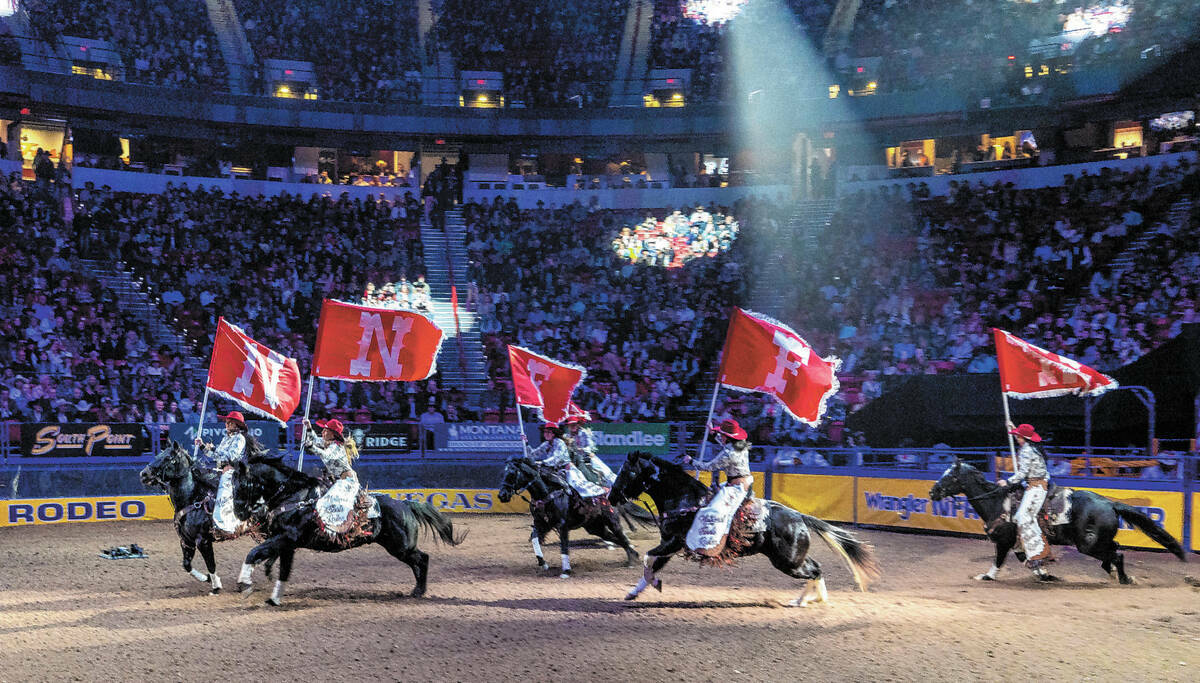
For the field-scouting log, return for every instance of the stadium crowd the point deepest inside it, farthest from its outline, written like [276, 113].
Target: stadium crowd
[170, 43]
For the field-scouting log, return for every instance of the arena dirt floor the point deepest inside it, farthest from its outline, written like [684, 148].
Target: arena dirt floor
[66, 613]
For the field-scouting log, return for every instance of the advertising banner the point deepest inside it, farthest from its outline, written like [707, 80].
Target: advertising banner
[105, 509]
[759, 487]
[53, 440]
[265, 431]
[1164, 507]
[460, 500]
[906, 503]
[374, 438]
[479, 437]
[620, 439]
[828, 497]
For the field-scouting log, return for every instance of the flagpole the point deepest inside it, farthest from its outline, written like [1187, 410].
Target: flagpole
[521, 426]
[1012, 447]
[712, 405]
[200, 429]
[304, 424]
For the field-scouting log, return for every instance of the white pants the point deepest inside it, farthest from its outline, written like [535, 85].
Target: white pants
[223, 515]
[1027, 524]
[606, 474]
[712, 522]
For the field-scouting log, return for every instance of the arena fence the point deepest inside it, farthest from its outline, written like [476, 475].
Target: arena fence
[460, 470]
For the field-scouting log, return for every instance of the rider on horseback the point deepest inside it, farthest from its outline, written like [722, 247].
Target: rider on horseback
[1030, 467]
[583, 446]
[225, 455]
[555, 452]
[712, 522]
[336, 506]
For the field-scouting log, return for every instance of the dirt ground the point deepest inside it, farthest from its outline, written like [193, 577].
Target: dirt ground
[66, 613]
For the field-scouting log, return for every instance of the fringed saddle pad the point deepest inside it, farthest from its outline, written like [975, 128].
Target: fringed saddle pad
[749, 520]
[355, 526]
[1055, 511]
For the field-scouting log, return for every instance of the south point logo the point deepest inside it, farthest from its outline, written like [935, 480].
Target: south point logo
[634, 438]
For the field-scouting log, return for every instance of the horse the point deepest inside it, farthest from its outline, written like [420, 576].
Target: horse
[193, 498]
[1091, 529]
[555, 505]
[679, 496]
[284, 500]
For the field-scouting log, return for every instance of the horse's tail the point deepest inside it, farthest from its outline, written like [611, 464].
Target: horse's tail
[1147, 526]
[859, 555]
[435, 523]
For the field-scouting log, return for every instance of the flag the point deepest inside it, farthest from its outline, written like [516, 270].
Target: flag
[258, 379]
[1028, 371]
[364, 343]
[767, 356]
[575, 411]
[542, 383]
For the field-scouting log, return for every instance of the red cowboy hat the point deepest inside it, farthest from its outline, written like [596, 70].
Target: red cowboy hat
[233, 415]
[1026, 431]
[334, 425]
[576, 419]
[730, 428]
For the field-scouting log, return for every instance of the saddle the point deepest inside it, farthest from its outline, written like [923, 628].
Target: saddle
[1056, 509]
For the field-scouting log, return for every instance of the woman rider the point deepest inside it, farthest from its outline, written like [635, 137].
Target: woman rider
[583, 444]
[225, 455]
[711, 525]
[554, 452]
[337, 452]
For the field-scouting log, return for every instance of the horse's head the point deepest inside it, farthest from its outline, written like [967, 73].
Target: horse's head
[634, 478]
[519, 472]
[264, 479]
[170, 465]
[954, 480]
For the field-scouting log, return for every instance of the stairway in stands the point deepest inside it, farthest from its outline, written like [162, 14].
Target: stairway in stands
[36, 53]
[446, 259]
[771, 280]
[235, 47]
[633, 59]
[1175, 222]
[136, 301]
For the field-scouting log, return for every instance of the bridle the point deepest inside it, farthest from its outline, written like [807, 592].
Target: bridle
[954, 472]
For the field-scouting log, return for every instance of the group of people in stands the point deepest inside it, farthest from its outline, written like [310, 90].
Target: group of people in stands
[676, 239]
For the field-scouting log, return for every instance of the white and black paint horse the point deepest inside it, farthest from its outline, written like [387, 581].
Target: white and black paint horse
[1092, 525]
[785, 540]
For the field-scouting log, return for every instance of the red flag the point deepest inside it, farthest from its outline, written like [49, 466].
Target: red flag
[575, 411]
[259, 379]
[765, 355]
[542, 383]
[1028, 371]
[363, 343]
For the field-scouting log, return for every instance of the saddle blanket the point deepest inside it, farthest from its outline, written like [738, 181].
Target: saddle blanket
[223, 515]
[712, 522]
[338, 503]
[1056, 510]
[582, 486]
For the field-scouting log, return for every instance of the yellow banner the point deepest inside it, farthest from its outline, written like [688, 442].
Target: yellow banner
[103, 509]
[459, 500]
[906, 503]
[1195, 521]
[1164, 507]
[828, 497]
[759, 486]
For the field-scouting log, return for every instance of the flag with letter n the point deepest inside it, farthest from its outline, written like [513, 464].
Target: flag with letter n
[542, 383]
[766, 356]
[1028, 371]
[260, 380]
[364, 343]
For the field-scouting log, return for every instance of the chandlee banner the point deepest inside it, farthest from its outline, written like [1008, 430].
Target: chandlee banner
[266, 432]
[53, 440]
[480, 437]
[104, 509]
[613, 438]
[382, 437]
[828, 497]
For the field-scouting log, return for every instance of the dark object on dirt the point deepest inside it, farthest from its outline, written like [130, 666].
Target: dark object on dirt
[133, 551]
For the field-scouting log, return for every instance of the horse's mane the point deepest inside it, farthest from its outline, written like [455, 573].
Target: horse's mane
[677, 471]
[291, 476]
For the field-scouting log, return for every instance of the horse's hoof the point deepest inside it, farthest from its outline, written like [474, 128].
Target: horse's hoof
[657, 585]
[984, 577]
[215, 591]
[631, 596]
[565, 575]
[1048, 578]
[1127, 581]
[542, 566]
[245, 588]
[417, 592]
[274, 602]
[797, 602]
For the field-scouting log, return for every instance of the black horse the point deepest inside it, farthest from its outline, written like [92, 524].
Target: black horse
[555, 506]
[679, 496]
[193, 498]
[1091, 529]
[285, 499]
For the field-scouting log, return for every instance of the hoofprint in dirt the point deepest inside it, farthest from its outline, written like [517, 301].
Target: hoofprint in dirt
[65, 613]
